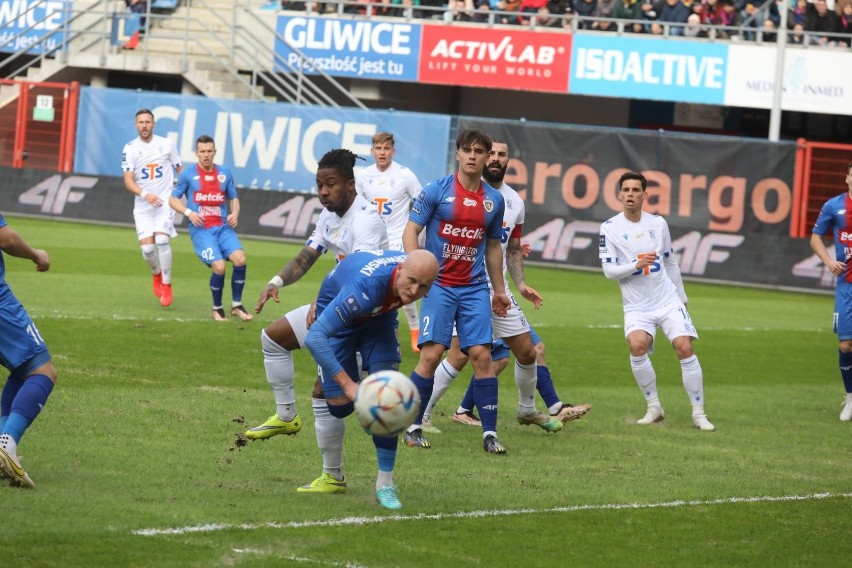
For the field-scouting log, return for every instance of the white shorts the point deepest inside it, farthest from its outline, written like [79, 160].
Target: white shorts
[298, 321]
[515, 322]
[150, 220]
[673, 319]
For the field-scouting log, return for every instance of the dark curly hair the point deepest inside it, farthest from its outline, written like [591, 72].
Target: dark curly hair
[341, 160]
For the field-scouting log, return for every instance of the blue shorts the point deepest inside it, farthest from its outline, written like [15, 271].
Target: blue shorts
[22, 349]
[843, 311]
[215, 243]
[499, 350]
[535, 338]
[378, 342]
[468, 307]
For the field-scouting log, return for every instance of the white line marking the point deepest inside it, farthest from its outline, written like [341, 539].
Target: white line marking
[347, 521]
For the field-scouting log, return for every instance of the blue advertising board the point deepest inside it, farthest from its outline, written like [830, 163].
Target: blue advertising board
[40, 24]
[633, 68]
[267, 145]
[361, 48]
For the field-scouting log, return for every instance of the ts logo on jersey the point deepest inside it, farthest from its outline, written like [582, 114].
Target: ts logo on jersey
[383, 205]
[152, 171]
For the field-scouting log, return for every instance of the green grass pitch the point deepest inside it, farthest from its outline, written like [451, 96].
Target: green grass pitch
[135, 461]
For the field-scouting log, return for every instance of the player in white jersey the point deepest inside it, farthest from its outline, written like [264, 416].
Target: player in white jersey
[514, 328]
[347, 224]
[391, 188]
[149, 163]
[636, 249]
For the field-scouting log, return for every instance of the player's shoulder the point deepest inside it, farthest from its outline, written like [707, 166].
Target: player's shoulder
[837, 202]
[612, 222]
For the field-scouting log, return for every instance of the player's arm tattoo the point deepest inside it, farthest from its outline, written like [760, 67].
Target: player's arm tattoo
[297, 266]
[515, 262]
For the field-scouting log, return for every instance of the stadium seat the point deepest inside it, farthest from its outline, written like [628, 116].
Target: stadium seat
[164, 5]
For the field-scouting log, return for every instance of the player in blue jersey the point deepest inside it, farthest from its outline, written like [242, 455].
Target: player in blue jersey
[212, 210]
[463, 218]
[835, 220]
[24, 353]
[356, 313]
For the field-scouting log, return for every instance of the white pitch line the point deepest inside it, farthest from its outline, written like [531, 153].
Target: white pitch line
[347, 521]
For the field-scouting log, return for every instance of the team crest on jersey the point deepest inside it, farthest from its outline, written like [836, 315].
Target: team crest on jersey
[468, 202]
[221, 178]
[488, 205]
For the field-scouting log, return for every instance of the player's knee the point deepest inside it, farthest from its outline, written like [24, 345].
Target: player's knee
[238, 258]
[218, 266]
[341, 410]
[161, 240]
[846, 346]
[148, 251]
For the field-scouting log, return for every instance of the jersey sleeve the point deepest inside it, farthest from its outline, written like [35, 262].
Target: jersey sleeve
[230, 186]
[182, 187]
[174, 157]
[413, 187]
[424, 205]
[127, 164]
[825, 221]
[495, 226]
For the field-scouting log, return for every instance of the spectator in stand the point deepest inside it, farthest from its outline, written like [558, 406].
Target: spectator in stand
[845, 10]
[797, 35]
[797, 14]
[459, 11]
[433, 14]
[730, 18]
[403, 6]
[770, 33]
[138, 7]
[820, 20]
[673, 12]
[753, 16]
[484, 7]
[694, 27]
[629, 10]
[586, 9]
[527, 8]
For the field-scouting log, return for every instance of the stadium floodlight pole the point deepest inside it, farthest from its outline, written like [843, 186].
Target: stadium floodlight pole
[781, 45]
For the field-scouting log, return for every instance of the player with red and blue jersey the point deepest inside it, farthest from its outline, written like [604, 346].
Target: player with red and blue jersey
[463, 218]
[212, 211]
[836, 219]
[356, 313]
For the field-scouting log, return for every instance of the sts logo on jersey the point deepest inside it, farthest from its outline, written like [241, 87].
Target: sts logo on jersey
[152, 171]
[383, 205]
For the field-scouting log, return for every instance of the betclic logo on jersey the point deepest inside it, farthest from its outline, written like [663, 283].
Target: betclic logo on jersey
[54, 193]
[450, 230]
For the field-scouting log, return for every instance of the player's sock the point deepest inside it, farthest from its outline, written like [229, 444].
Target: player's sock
[467, 402]
[10, 390]
[386, 454]
[546, 389]
[424, 387]
[27, 404]
[846, 370]
[445, 374]
[645, 376]
[485, 395]
[217, 283]
[330, 431]
[525, 380]
[410, 311]
[238, 282]
[149, 253]
[164, 253]
[693, 380]
[280, 373]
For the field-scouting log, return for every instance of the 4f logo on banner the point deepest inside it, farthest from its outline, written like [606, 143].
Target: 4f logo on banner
[54, 193]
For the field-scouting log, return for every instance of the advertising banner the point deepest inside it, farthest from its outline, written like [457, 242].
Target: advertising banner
[727, 201]
[563, 236]
[361, 48]
[37, 20]
[471, 56]
[273, 146]
[812, 81]
[633, 68]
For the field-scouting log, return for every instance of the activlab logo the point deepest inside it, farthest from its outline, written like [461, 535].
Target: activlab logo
[54, 193]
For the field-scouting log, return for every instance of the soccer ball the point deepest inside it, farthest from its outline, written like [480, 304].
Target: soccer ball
[387, 403]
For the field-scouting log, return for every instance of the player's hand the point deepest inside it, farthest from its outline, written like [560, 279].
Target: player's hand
[232, 220]
[646, 259]
[41, 260]
[350, 390]
[271, 291]
[837, 267]
[531, 295]
[526, 249]
[500, 304]
[154, 200]
[312, 315]
[198, 220]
